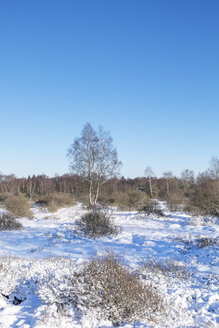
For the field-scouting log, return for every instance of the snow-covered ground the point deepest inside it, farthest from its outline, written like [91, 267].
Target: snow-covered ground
[168, 251]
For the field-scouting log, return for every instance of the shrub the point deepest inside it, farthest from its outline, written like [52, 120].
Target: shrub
[7, 222]
[199, 242]
[18, 206]
[169, 268]
[207, 241]
[96, 223]
[131, 200]
[84, 199]
[137, 199]
[174, 205]
[54, 201]
[205, 198]
[151, 208]
[118, 293]
[175, 200]
[107, 286]
[4, 196]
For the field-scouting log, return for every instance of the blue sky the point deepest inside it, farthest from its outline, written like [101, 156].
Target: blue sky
[148, 71]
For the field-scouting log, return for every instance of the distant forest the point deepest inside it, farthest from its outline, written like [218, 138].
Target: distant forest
[196, 194]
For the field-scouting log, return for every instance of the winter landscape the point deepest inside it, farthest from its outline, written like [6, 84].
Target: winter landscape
[109, 170]
[172, 254]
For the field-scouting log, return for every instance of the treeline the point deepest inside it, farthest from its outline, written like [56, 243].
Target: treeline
[196, 194]
[40, 185]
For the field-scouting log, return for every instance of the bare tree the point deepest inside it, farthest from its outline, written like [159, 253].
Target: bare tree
[168, 175]
[214, 168]
[149, 174]
[94, 158]
[187, 178]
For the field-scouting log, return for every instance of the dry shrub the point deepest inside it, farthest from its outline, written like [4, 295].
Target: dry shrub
[201, 241]
[205, 198]
[55, 201]
[116, 293]
[84, 199]
[151, 208]
[96, 223]
[131, 200]
[7, 222]
[137, 199]
[18, 205]
[119, 199]
[207, 241]
[169, 268]
[175, 200]
[4, 196]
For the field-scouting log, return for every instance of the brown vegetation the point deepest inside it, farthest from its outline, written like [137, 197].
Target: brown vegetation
[122, 297]
[18, 205]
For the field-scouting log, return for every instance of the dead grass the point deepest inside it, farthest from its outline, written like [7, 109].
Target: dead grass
[131, 200]
[18, 205]
[4, 196]
[56, 201]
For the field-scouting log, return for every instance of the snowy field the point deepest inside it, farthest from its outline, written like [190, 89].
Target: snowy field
[171, 252]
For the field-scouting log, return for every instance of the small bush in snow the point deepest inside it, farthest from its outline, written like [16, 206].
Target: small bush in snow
[18, 205]
[174, 207]
[118, 293]
[169, 268]
[151, 208]
[202, 220]
[7, 222]
[207, 241]
[201, 241]
[96, 223]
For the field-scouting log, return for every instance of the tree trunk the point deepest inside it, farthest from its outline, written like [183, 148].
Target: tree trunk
[168, 187]
[90, 192]
[150, 184]
[97, 193]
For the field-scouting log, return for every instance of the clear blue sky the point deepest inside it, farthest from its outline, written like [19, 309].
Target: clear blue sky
[148, 71]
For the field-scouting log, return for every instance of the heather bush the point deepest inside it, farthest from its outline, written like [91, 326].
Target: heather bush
[96, 223]
[107, 286]
[207, 241]
[119, 294]
[169, 268]
[7, 222]
[152, 208]
[18, 205]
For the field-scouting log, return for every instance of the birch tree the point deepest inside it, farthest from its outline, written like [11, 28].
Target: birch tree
[168, 175]
[149, 174]
[94, 158]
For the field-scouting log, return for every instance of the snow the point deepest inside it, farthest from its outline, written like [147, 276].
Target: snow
[41, 255]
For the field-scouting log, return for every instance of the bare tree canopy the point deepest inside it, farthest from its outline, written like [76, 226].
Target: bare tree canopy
[148, 172]
[93, 157]
[214, 168]
[168, 175]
